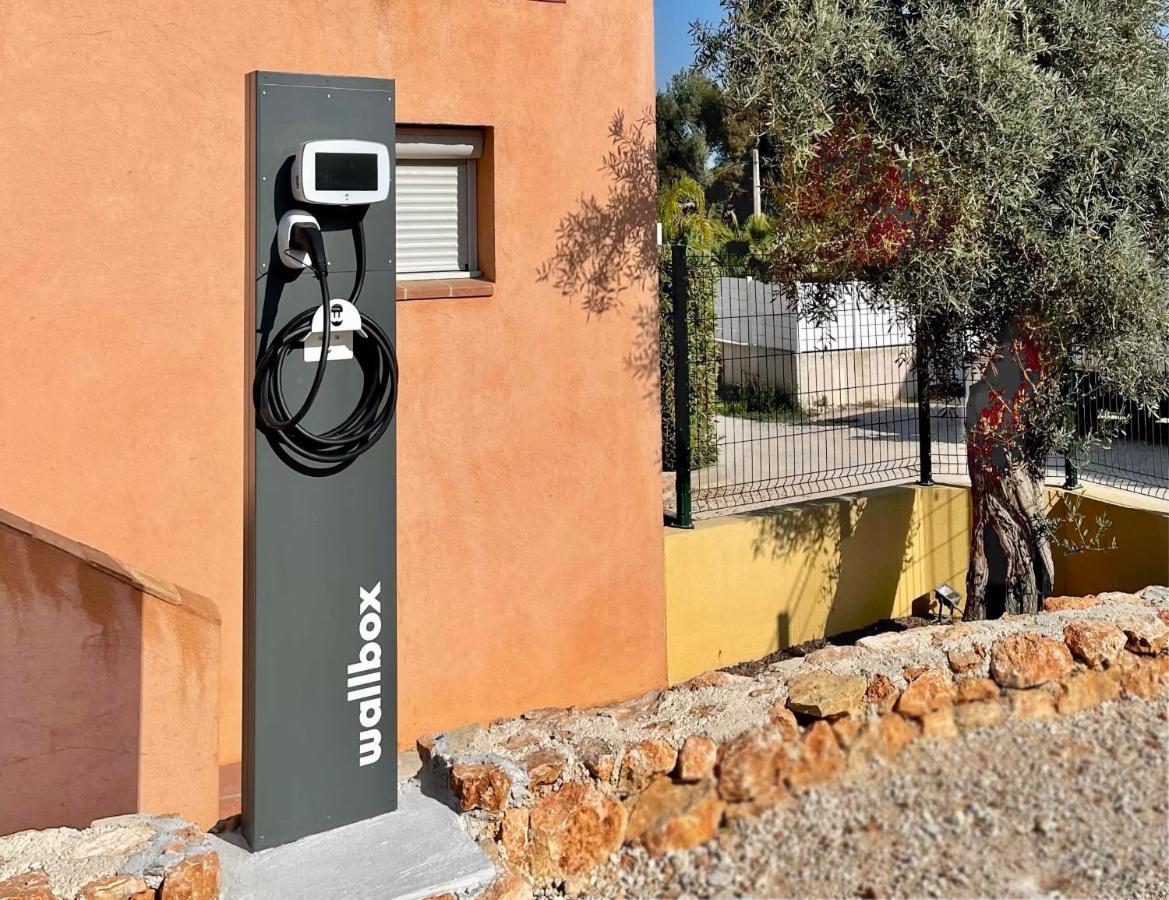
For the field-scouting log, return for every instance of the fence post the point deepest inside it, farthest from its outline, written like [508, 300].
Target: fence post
[924, 418]
[1071, 466]
[680, 296]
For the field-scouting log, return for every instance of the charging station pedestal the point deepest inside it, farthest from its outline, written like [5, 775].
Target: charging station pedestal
[320, 685]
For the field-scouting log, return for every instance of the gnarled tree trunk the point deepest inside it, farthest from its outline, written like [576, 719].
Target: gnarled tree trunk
[1007, 493]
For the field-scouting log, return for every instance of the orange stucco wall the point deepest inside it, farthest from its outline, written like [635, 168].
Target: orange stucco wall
[109, 688]
[530, 549]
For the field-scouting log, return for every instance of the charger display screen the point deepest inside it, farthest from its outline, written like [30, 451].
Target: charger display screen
[346, 172]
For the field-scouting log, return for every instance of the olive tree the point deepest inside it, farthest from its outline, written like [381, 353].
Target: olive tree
[998, 170]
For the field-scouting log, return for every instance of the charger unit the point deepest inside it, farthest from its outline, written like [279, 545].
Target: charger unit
[341, 172]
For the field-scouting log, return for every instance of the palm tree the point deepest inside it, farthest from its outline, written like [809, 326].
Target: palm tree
[684, 216]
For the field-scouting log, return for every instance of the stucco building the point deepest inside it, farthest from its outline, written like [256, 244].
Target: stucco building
[529, 543]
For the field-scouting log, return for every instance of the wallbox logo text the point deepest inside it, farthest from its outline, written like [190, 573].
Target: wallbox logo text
[365, 677]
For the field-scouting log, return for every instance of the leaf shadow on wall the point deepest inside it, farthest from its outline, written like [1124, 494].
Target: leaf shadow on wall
[843, 561]
[606, 248]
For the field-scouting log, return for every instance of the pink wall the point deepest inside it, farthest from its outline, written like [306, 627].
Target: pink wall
[530, 541]
[109, 699]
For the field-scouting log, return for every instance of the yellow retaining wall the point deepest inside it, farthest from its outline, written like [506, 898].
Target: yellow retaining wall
[742, 586]
[1141, 556]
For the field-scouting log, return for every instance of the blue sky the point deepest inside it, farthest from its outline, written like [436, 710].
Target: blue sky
[672, 39]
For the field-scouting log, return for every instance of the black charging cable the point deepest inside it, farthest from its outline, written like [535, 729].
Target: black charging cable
[375, 354]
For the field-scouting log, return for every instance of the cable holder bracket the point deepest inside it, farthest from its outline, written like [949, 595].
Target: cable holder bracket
[344, 322]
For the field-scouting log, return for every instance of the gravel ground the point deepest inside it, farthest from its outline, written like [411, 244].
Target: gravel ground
[1072, 807]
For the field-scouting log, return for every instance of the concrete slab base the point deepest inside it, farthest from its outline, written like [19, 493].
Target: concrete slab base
[416, 852]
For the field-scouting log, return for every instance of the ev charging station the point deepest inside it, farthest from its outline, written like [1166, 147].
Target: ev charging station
[320, 708]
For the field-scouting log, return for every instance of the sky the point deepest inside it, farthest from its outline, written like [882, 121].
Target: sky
[673, 48]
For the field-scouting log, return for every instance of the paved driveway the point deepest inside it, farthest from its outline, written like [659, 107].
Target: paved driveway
[763, 463]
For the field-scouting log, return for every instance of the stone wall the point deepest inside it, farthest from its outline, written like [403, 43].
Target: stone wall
[122, 858]
[554, 792]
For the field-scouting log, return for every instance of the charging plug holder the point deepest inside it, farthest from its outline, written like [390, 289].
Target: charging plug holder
[289, 255]
[344, 322]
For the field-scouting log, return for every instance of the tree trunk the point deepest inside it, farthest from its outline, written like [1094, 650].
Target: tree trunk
[1008, 510]
[1007, 492]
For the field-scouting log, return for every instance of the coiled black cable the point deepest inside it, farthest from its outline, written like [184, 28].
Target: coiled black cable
[374, 353]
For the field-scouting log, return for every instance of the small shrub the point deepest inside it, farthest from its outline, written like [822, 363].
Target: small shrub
[753, 400]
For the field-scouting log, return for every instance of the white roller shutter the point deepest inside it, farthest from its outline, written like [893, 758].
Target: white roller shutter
[432, 216]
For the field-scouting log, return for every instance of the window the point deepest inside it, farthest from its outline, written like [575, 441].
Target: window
[436, 193]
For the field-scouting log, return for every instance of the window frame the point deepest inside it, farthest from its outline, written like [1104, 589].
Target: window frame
[464, 146]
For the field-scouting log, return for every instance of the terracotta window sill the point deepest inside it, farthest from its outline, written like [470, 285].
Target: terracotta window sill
[458, 288]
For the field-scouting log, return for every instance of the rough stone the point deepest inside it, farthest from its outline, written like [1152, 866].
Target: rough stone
[1027, 660]
[833, 653]
[1147, 637]
[752, 808]
[786, 668]
[1055, 604]
[959, 632]
[971, 690]
[669, 817]
[978, 714]
[573, 829]
[1035, 703]
[846, 730]
[480, 786]
[784, 721]
[883, 737]
[543, 766]
[643, 761]
[894, 642]
[195, 878]
[966, 660]
[598, 757]
[819, 758]
[116, 887]
[1123, 597]
[882, 693]
[747, 765]
[522, 740]
[119, 841]
[425, 746]
[509, 886]
[1157, 594]
[711, 679]
[697, 758]
[459, 740]
[1163, 615]
[824, 694]
[27, 886]
[931, 690]
[1140, 676]
[513, 836]
[629, 710]
[939, 724]
[1094, 643]
[1085, 689]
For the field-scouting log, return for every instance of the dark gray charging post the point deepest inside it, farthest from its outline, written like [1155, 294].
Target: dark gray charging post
[320, 716]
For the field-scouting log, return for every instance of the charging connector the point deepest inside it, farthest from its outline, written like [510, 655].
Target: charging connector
[306, 238]
[374, 353]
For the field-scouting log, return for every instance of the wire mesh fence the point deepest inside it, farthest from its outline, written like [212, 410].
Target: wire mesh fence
[778, 407]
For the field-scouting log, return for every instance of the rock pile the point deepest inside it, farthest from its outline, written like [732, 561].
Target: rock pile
[554, 792]
[133, 857]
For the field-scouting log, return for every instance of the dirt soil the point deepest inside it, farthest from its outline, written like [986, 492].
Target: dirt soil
[754, 667]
